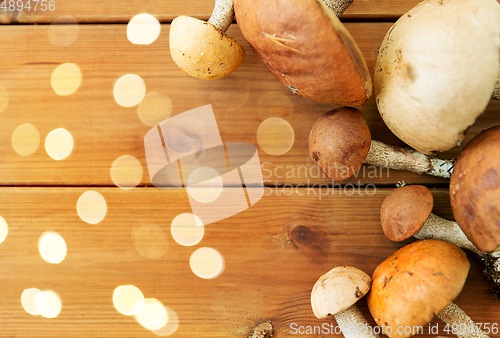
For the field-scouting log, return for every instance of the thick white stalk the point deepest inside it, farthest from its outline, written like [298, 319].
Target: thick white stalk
[222, 15]
[496, 93]
[393, 157]
[353, 324]
[338, 7]
[460, 323]
[439, 228]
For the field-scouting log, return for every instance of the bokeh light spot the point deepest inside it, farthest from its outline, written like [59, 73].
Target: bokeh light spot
[28, 301]
[48, 304]
[128, 300]
[143, 29]
[59, 144]
[52, 247]
[206, 263]
[129, 90]
[154, 108]
[4, 229]
[91, 207]
[187, 229]
[275, 136]
[204, 185]
[26, 139]
[153, 316]
[66, 79]
[63, 31]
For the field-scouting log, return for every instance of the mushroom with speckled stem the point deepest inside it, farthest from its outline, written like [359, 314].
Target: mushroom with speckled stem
[340, 142]
[201, 48]
[415, 283]
[336, 292]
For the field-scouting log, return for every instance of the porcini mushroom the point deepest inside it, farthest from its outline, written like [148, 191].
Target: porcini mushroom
[201, 48]
[336, 292]
[415, 283]
[475, 190]
[436, 70]
[407, 211]
[304, 44]
[340, 141]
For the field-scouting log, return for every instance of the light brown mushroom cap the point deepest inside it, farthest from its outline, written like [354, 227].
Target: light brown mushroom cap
[201, 50]
[307, 48]
[405, 210]
[339, 142]
[338, 289]
[415, 283]
[475, 190]
[436, 70]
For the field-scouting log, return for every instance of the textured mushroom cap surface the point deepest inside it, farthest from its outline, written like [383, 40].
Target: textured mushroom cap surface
[436, 70]
[307, 48]
[405, 210]
[202, 51]
[475, 190]
[338, 289]
[339, 142]
[415, 283]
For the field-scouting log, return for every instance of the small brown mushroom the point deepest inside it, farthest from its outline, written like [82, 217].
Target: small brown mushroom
[436, 70]
[340, 142]
[475, 190]
[304, 44]
[406, 212]
[336, 292]
[201, 48]
[415, 283]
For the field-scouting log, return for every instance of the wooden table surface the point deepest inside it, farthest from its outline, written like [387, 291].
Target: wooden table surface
[273, 251]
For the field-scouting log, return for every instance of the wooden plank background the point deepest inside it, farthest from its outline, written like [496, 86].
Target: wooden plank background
[268, 275]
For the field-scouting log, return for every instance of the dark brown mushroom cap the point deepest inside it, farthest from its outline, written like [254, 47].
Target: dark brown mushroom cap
[415, 283]
[405, 210]
[475, 190]
[339, 142]
[307, 48]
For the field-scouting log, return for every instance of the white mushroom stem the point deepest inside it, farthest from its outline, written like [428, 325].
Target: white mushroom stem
[338, 7]
[353, 323]
[222, 15]
[439, 228]
[496, 93]
[460, 323]
[393, 157]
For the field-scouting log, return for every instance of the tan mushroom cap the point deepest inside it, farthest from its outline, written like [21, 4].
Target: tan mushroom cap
[436, 70]
[338, 289]
[415, 283]
[405, 210]
[339, 142]
[307, 48]
[202, 51]
[475, 190]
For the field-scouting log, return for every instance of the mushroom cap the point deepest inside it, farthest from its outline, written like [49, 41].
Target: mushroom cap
[339, 142]
[405, 210]
[436, 70]
[475, 190]
[307, 48]
[338, 289]
[415, 283]
[201, 50]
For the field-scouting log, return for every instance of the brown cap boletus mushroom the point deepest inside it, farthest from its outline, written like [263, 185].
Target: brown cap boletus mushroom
[417, 282]
[340, 142]
[304, 44]
[201, 48]
[336, 293]
[475, 190]
[436, 71]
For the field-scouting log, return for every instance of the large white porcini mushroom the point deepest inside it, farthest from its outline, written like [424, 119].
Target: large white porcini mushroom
[340, 142]
[407, 211]
[436, 71]
[335, 294]
[416, 283]
[201, 48]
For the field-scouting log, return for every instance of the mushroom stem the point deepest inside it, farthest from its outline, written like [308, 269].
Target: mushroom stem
[381, 154]
[496, 93]
[353, 323]
[460, 323]
[338, 7]
[222, 15]
[439, 228]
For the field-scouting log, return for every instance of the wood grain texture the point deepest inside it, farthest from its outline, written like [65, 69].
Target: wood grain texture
[270, 266]
[103, 130]
[95, 11]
